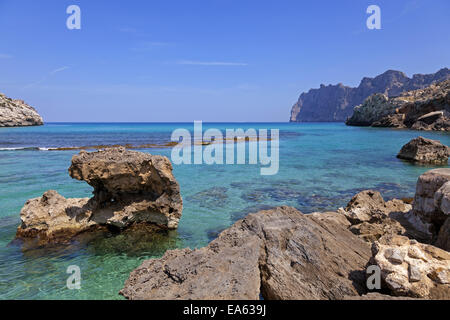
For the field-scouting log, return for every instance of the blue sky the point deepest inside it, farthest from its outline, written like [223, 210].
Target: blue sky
[211, 60]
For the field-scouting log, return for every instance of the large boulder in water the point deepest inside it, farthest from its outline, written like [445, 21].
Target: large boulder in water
[280, 253]
[424, 150]
[129, 187]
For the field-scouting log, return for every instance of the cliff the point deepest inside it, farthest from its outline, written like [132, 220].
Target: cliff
[336, 102]
[422, 109]
[16, 113]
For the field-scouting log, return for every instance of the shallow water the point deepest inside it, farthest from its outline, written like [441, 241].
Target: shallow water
[321, 166]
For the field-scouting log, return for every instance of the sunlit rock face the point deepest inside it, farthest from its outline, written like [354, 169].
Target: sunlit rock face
[16, 113]
[129, 188]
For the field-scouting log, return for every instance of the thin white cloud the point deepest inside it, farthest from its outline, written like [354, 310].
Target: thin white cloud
[50, 74]
[59, 70]
[5, 56]
[211, 63]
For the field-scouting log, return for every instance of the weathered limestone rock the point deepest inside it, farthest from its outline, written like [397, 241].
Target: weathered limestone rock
[362, 205]
[432, 199]
[16, 113]
[443, 240]
[410, 268]
[371, 217]
[424, 150]
[132, 178]
[53, 218]
[281, 253]
[423, 109]
[129, 187]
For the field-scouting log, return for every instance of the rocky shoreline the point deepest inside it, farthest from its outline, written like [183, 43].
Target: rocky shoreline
[285, 254]
[278, 253]
[423, 109]
[16, 113]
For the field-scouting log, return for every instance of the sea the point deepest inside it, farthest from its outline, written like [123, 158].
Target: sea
[321, 166]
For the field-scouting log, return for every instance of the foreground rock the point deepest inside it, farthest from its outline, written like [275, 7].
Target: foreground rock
[423, 109]
[279, 253]
[371, 217]
[129, 187]
[432, 199]
[424, 150]
[443, 239]
[16, 113]
[410, 268]
[336, 102]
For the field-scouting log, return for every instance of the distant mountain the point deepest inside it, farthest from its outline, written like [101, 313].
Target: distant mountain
[336, 102]
[16, 113]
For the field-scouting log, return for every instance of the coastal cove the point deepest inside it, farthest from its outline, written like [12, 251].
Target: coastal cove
[322, 165]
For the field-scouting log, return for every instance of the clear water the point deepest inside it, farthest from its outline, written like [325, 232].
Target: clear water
[321, 167]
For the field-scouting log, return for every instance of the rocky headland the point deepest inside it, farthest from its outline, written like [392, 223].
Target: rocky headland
[336, 102]
[16, 113]
[423, 109]
[129, 188]
[284, 254]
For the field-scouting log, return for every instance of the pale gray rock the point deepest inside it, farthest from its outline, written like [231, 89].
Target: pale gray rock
[410, 268]
[432, 196]
[16, 113]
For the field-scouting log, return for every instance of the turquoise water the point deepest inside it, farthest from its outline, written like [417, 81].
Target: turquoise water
[321, 166]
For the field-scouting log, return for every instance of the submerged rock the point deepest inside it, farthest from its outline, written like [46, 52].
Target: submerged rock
[16, 113]
[129, 187]
[424, 150]
[410, 268]
[279, 253]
